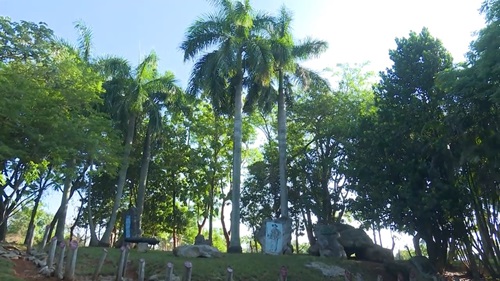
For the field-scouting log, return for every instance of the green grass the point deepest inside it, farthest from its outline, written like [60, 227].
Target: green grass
[7, 271]
[247, 267]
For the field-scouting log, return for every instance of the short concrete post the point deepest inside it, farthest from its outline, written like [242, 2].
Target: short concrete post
[99, 266]
[189, 270]
[71, 261]
[380, 278]
[283, 273]
[121, 264]
[400, 277]
[142, 265]
[170, 271]
[347, 275]
[229, 274]
[52, 252]
[60, 262]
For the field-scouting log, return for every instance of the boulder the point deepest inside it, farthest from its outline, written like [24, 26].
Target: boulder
[327, 241]
[200, 240]
[285, 237]
[327, 270]
[375, 253]
[195, 251]
[353, 239]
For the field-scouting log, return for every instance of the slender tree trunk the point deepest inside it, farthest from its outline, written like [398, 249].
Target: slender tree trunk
[379, 235]
[122, 177]
[72, 228]
[416, 245]
[235, 243]
[28, 240]
[61, 221]
[3, 229]
[282, 147]
[174, 213]
[223, 223]
[94, 241]
[52, 225]
[143, 176]
[211, 212]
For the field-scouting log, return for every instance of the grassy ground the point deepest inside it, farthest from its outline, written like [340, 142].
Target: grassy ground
[6, 270]
[247, 267]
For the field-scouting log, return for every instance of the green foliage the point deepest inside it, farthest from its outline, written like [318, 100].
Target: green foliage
[402, 169]
[18, 222]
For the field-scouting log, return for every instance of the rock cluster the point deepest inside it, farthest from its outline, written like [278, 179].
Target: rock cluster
[341, 240]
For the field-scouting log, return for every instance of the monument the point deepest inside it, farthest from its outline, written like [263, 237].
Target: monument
[274, 238]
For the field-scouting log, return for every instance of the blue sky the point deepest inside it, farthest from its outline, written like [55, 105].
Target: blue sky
[357, 31]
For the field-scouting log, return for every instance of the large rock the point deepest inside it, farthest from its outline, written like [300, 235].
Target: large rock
[283, 239]
[195, 251]
[327, 243]
[350, 241]
[375, 253]
[327, 270]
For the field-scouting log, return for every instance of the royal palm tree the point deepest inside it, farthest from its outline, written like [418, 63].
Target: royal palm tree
[127, 91]
[238, 58]
[286, 55]
[161, 91]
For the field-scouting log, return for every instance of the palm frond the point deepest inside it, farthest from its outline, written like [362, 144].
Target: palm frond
[305, 78]
[114, 67]
[202, 35]
[147, 69]
[309, 48]
[84, 40]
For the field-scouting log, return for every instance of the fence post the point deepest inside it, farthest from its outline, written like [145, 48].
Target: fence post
[189, 270]
[229, 273]
[60, 262]
[283, 273]
[99, 266]
[170, 271]
[52, 252]
[142, 265]
[121, 264]
[71, 261]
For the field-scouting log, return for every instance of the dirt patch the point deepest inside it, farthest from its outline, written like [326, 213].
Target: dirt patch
[27, 270]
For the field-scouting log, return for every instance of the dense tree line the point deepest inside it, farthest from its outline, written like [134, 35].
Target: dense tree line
[415, 151]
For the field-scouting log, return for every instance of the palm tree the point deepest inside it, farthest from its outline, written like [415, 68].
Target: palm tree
[238, 59]
[286, 54]
[127, 92]
[160, 90]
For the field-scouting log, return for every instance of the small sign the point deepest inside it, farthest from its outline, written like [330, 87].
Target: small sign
[274, 238]
[130, 225]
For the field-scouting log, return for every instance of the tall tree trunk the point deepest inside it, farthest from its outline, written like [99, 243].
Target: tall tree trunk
[235, 243]
[72, 228]
[211, 212]
[282, 147]
[122, 177]
[52, 224]
[174, 210]
[61, 221]
[223, 223]
[94, 241]
[143, 176]
[437, 249]
[3, 229]
[416, 245]
[28, 240]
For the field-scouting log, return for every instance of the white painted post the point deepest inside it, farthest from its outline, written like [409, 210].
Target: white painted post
[69, 274]
[229, 274]
[142, 265]
[380, 278]
[52, 252]
[99, 266]
[121, 264]
[60, 262]
[189, 270]
[170, 271]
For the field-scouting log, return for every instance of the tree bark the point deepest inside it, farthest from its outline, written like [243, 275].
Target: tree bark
[416, 245]
[28, 240]
[143, 176]
[282, 146]
[235, 243]
[61, 222]
[122, 177]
